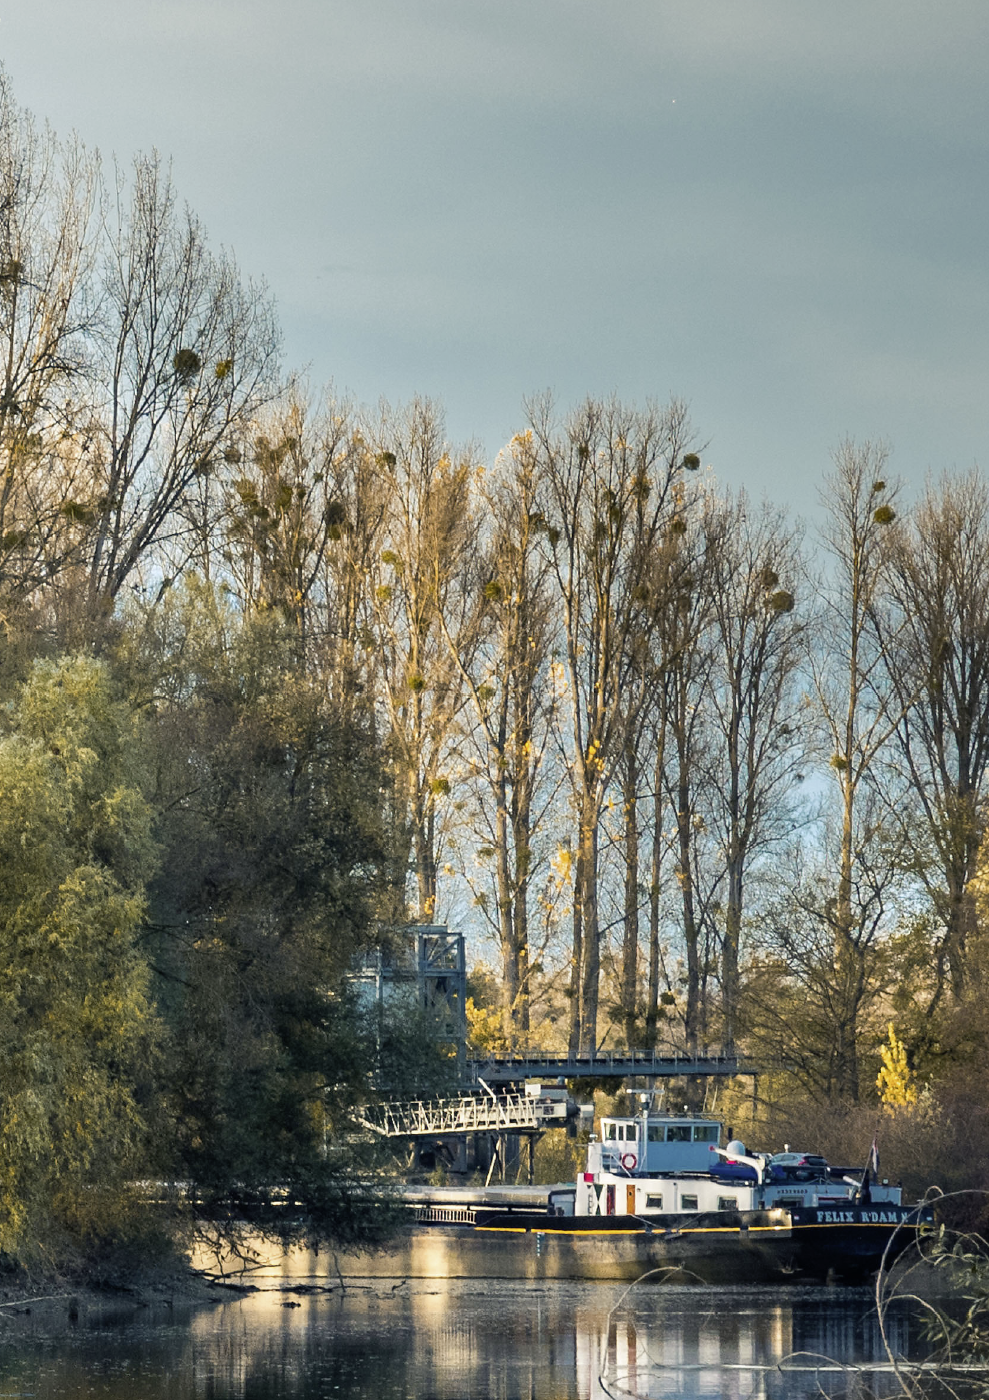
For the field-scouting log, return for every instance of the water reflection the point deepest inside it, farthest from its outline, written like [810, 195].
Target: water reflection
[499, 1341]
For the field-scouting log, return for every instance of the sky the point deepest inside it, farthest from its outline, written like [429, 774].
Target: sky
[775, 210]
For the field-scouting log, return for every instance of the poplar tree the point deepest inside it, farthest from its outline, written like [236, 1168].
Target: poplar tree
[285, 510]
[507, 679]
[939, 669]
[607, 478]
[422, 591]
[754, 706]
[684, 647]
[859, 712]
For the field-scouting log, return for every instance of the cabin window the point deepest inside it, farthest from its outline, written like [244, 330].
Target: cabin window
[610, 1132]
[655, 1132]
[727, 1203]
[630, 1132]
[688, 1202]
[706, 1132]
[654, 1203]
[678, 1132]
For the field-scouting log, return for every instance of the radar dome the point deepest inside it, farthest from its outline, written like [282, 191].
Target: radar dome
[736, 1148]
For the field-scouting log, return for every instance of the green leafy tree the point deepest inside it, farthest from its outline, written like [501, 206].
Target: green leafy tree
[271, 864]
[76, 1022]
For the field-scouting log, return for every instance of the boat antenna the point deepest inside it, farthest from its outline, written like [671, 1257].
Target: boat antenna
[872, 1160]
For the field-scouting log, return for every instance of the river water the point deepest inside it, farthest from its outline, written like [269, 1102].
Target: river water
[474, 1341]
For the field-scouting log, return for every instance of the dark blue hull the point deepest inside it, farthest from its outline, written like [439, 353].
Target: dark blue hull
[725, 1246]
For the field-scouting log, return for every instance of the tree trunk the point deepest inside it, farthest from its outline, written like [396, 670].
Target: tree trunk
[655, 872]
[424, 845]
[591, 971]
[521, 823]
[846, 958]
[630, 934]
[685, 877]
[576, 961]
[506, 923]
[729, 958]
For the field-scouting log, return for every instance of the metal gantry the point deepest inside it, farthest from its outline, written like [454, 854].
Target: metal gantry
[467, 1113]
[442, 978]
[426, 963]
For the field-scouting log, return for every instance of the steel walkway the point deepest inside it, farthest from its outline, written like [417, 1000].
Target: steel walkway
[468, 1113]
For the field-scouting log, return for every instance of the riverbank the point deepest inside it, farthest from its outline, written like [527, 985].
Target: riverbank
[53, 1306]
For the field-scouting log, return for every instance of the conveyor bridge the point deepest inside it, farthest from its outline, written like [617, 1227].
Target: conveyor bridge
[603, 1064]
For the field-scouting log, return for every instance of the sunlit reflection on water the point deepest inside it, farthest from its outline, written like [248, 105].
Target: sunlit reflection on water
[423, 1340]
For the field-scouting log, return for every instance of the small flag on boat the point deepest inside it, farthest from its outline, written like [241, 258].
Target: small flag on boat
[874, 1157]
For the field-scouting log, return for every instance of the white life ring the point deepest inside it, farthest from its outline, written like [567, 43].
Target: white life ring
[629, 1161]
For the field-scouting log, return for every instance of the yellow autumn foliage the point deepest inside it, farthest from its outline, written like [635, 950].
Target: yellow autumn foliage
[895, 1081]
[485, 1028]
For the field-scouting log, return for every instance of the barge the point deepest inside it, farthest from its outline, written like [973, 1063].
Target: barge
[660, 1196]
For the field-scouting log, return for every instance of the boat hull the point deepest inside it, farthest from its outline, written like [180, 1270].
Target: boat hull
[855, 1241]
[756, 1246]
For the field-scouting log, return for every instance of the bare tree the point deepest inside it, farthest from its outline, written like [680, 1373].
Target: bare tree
[49, 196]
[356, 494]
[753, 705]
[286, 508]
[630, 780]
[187, 355]
[506, 678]
[858, 706]
[940, 672]
[425, 593]
[809, 997]
[607, 477]
[658, 855]
[685, 658]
